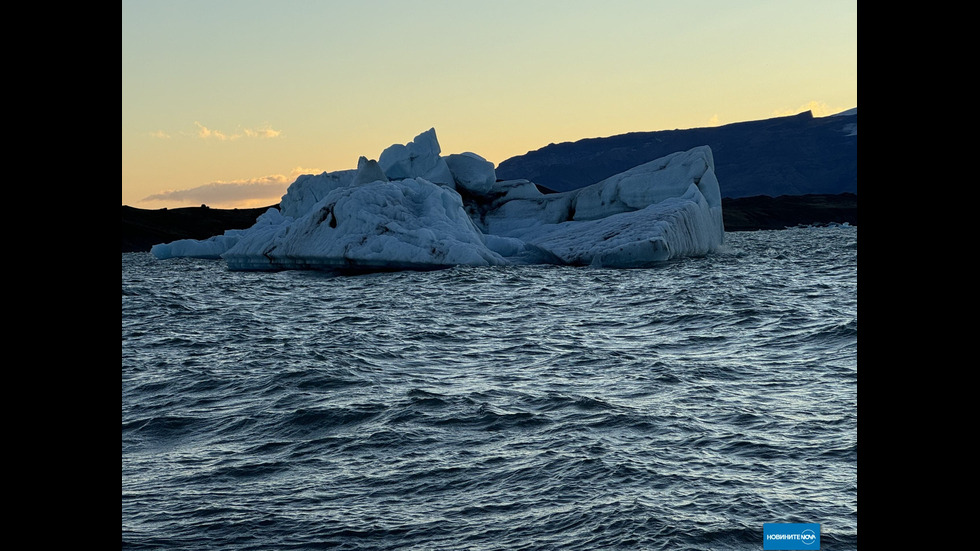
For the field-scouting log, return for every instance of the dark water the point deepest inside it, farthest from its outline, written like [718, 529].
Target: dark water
[544, 407]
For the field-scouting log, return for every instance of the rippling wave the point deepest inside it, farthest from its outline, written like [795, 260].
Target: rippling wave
[532, 407]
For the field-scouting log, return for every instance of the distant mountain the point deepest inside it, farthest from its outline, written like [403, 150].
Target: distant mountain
[795, 155]
[143, 228]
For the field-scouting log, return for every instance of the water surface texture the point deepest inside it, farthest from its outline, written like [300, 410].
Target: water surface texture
[507, 408]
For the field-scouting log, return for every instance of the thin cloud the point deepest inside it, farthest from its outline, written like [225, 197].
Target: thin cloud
[262, 133]
[206, 133]
[254, 192]
[160, 134]
[246, 193]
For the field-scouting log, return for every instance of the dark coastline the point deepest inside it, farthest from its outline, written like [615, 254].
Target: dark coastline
[776, 213]
[143, 228]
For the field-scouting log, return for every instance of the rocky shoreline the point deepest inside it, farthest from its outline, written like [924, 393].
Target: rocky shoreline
[776, 213]
[143, 228]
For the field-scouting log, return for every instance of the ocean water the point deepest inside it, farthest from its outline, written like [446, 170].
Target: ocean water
[518, 408]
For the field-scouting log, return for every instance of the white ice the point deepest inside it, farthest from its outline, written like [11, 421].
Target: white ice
[414, 209]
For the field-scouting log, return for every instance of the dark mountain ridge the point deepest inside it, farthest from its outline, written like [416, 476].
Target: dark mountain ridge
[143, 228]
[795, 155]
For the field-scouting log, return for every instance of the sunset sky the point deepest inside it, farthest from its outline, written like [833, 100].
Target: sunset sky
[226, 102]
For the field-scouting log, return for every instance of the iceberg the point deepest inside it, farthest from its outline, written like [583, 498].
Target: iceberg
[411, 224]
[414, 209]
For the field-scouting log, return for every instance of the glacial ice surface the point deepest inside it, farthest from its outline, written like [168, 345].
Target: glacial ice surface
[412, 208]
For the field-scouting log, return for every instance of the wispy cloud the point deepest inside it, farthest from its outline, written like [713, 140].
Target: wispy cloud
[160, 134]
[255, 192]
[206, 133]
[247, 193]
[262, 133]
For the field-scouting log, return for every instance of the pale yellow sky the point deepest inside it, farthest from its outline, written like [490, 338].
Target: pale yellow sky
[226, 102]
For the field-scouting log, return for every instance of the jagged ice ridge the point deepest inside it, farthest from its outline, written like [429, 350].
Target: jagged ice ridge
[413, 208]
